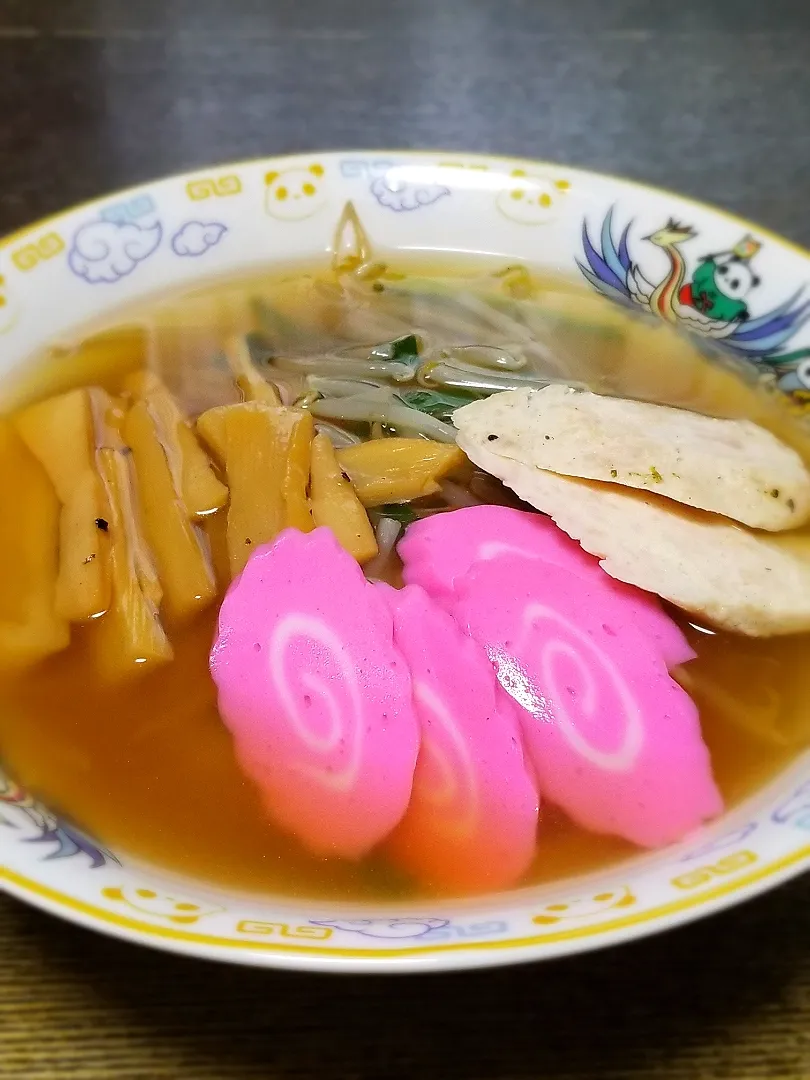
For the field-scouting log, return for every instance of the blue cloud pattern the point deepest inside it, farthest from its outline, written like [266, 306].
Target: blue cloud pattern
[384, 928]
[796, 809]
[105, 251]
[396, 193]
[196, 237]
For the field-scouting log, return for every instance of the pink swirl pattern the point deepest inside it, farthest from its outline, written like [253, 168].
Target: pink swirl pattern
[471, 824]
[438, 551]
[614, 740]
[316, 695]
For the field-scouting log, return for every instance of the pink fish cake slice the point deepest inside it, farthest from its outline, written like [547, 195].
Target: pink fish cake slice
[613, 739]
[316, 695]
[439, 551]
[472, 821]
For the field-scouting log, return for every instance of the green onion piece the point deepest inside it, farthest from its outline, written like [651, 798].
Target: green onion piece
[385, 408]
[400, 512]
[406, 350]
[441, 405]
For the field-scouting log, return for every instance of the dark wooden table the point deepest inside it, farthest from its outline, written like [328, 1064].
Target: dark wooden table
[711, 97]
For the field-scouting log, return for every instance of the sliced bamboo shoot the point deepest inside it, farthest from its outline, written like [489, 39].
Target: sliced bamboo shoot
[264, 450]
[83, 584]
[251, 385]
[295, 432]
[335, 503]
[215, 528]
[142, 560]
[398, 470]
[212, 427]
[108, 417]
[101, 360]
[61, 433]
[183, 565]
[129, 638]
[30, 629]
[191, 469]
[243, 437]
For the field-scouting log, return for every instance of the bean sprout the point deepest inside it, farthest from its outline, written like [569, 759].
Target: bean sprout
[374, 406]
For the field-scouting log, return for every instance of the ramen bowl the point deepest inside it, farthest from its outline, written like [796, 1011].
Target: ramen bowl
[185, 231]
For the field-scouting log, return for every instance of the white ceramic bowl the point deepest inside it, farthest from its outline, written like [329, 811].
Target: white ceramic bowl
[65, 272]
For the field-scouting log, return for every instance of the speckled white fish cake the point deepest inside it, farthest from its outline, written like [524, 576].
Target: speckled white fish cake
[730, 467]
[723, 573]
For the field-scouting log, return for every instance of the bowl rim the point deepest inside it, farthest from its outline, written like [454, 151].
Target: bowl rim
[417, 959]
[438, 956]
[293, 156]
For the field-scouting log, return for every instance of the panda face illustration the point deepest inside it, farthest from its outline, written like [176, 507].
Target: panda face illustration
[295, 194]
[734, 277]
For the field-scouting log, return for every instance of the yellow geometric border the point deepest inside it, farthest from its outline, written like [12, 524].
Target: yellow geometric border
[552, 937]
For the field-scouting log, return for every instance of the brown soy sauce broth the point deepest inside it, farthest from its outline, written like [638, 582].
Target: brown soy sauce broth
[147, 767]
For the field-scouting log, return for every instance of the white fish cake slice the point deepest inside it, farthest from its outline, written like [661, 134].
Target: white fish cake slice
[730, 467]
[721, 572]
